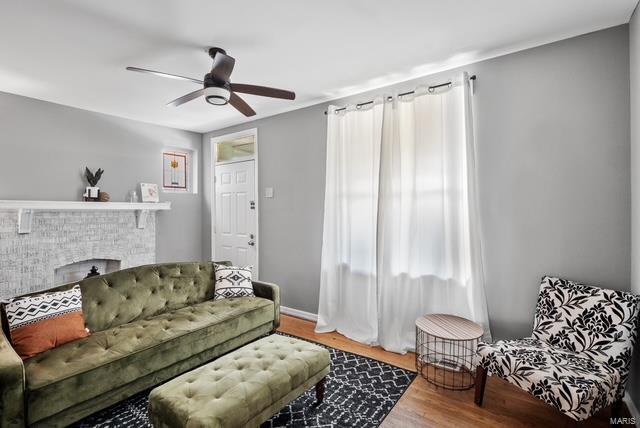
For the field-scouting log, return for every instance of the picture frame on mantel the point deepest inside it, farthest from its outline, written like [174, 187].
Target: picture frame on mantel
[149, 192]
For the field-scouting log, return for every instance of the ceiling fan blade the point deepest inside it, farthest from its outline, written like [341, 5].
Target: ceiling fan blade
[263, 91]
[186, 98]
[222, 66]
[241, 105]
[160, 73]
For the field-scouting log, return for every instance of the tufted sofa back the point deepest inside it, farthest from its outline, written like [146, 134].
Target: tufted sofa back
[143, 292]
[599, 323]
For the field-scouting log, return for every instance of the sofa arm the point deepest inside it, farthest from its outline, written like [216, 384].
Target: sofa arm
[12, 385]
[269, 291]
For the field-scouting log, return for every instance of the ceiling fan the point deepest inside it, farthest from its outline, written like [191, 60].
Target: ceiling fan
[217, 88]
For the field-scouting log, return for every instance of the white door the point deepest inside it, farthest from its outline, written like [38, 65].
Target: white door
[235, 225]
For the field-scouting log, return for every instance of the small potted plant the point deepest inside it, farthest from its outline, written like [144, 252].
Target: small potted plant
[92, 192]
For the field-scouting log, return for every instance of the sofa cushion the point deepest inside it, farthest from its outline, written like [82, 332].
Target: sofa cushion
[232, 281]
[574, 384]
[44, 321]
[84, 369]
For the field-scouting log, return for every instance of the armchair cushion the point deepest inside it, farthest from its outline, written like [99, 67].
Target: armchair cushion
[580, 318]
[594, 322]
[575, 384]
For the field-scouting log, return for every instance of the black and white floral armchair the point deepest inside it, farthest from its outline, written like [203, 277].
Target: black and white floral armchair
[578, 357]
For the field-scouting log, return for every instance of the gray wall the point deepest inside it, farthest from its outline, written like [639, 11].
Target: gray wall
[634, 60]
[46, 146]
[553, 135]
[291, 158]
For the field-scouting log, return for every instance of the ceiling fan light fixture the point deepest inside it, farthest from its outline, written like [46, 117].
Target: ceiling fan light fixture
[216, 95]
[216, 87]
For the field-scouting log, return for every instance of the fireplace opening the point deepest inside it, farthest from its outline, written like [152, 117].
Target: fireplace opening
[80, 270]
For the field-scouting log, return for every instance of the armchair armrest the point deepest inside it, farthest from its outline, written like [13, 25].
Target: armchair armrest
[269, 291]
[12, 384]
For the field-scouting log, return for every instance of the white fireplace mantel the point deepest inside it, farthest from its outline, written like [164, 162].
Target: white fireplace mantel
[26, 209]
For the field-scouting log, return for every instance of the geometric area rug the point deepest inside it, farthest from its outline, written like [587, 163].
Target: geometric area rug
[360, 392]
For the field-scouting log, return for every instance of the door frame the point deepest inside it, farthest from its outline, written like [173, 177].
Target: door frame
[214, 151]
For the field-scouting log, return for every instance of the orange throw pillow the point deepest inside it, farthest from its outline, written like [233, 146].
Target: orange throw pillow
[44, 321]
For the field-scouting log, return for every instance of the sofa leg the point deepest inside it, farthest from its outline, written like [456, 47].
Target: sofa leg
[320, 387]
[481, 380]
[616, 409]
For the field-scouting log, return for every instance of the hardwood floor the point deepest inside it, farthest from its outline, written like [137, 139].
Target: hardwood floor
[424, 405]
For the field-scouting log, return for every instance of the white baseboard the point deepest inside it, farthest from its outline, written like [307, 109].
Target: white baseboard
[632, 407]
[299, 314]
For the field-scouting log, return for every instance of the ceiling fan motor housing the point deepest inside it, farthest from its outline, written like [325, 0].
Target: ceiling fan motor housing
[216, 92]
[217, 95]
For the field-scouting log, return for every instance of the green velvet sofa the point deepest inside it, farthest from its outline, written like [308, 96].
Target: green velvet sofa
[148, 324]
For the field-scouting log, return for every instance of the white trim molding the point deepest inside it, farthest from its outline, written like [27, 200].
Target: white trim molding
[84, 206]
[210, 166]
[299, 314]
[26, 209]
[631, 407]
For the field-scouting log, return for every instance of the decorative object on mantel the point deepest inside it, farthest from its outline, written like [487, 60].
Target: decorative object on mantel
[132, 196]
[104, 197]
[149, 192]
[93, 272]
[92, 192]
[26, 209]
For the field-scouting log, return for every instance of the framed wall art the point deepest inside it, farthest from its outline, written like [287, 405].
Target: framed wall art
[175, 171]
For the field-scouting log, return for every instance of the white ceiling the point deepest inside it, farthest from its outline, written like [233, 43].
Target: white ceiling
[75, 52]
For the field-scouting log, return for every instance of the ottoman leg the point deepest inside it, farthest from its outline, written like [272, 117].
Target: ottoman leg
[320, 386]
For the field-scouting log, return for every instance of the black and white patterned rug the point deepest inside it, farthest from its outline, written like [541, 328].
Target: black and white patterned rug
[360, 392]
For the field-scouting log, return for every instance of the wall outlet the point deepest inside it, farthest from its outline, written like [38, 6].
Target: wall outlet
[268, 192]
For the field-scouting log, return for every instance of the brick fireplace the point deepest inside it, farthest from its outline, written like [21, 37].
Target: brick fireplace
[67, 239]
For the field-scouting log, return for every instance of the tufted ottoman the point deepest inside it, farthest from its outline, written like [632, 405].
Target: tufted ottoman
[243, 388]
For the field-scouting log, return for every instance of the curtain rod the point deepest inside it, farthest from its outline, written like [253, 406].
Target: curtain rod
[430, 89]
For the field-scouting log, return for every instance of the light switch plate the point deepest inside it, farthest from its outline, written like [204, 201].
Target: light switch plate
[268, 192]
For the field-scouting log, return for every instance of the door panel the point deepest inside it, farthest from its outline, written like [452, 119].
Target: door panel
[226, 253]
[225, 213]
[235, 219]
[242, 201]
[242, 256]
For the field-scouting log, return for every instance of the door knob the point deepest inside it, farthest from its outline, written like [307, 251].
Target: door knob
[252, 243]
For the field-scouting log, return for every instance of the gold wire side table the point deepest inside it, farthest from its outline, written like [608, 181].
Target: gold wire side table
[445, 350]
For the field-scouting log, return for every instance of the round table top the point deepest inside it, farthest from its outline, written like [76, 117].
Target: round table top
[451, 327]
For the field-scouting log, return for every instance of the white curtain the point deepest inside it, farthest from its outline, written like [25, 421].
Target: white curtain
[413, 234]
[348, 291]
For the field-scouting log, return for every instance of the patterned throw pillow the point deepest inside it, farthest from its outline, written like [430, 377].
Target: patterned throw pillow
[44, 321]
[233, 281]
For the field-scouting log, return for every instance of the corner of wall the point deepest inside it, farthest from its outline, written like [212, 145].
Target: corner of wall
[634, 64]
